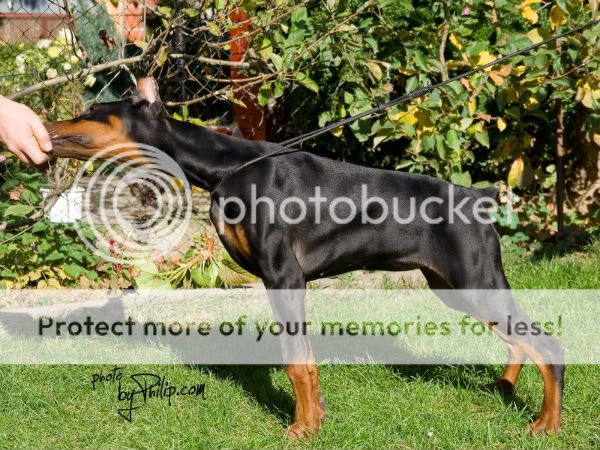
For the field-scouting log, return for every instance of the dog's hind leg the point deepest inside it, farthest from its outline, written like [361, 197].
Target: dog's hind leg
[286, 285]
[496, 306]
[545, 351]
[516, 360]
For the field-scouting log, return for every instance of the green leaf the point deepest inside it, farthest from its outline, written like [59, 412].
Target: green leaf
[4, 273]
[404, 164]
[54, 255]
[213, 28]
[165, 11]
[294, 39]
[200, 277]
[299, 17]
[39, 227]
[73, 270]
[276, 60]
[307, 82]
[191, 12]
[146, 280]
[278, 88]
[325, 117]
[462, 179]
[141, 44]
[420, 60]
[150, 278]
[440, 146]
[428, 142]
[375, 70]
[348, 98]
[453, 140]
[483, 138]
[234, 275]
[264, 94]
[162, 56]
[18, 210]
[265, 48]
[411, 84]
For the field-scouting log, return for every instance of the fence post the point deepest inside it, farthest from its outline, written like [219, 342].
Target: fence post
[250, 119]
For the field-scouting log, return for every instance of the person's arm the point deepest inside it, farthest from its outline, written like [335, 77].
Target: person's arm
[23, 133]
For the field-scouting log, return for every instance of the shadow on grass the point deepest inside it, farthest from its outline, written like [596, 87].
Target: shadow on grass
[574, 241]
[257, 384]
[461, 376]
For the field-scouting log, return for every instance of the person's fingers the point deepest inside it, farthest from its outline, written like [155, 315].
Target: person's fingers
[19, 154]
[31, 148]
[41, 134]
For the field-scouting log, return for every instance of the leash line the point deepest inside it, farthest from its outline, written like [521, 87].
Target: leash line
[419, 92]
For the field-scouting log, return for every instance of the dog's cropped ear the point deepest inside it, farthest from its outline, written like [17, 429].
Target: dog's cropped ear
[147, 90]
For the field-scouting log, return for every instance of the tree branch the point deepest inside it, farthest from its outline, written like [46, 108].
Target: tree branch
[442, 58]
[76, 75]
[264, 78]
[211, 61]
[443, 41]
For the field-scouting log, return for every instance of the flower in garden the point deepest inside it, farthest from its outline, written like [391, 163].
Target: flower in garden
[74, 59]
[111, 246]
[53, 51]
[89, 81]
[64, 36]
[466, 11]
[43, 43]
[51, 73]
[66, 67]
[20, 60]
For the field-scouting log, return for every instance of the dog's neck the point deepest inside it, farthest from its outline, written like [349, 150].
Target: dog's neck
[206, 157]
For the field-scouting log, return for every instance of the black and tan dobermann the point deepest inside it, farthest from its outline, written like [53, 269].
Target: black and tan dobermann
[286, 256]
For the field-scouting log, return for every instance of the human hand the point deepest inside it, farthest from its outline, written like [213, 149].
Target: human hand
[23, 133]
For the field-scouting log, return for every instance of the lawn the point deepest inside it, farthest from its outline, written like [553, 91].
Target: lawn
[368, 406]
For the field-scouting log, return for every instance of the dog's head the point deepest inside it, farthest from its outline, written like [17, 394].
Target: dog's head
[104, 125]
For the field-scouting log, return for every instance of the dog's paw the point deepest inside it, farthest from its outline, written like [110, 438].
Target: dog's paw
[545, 426]
[300, 431]
[504, 386]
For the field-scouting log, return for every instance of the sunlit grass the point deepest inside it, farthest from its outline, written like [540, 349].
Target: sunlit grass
[368, 406]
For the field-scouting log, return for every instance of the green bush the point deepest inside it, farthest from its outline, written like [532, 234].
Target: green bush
[338, 58]
[24, 64]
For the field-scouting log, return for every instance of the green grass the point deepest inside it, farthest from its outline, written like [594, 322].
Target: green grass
[578, 270]
[368, 406]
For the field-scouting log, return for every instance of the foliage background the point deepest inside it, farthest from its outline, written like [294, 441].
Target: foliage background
[497, 126]
[312, 62]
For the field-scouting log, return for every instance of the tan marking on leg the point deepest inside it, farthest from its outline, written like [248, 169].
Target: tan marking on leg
[549, 419]
[516, 359]
[235, 235]
[242, 238]
[308, 413]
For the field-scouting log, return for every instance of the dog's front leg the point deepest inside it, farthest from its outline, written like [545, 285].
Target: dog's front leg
[286, 290]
